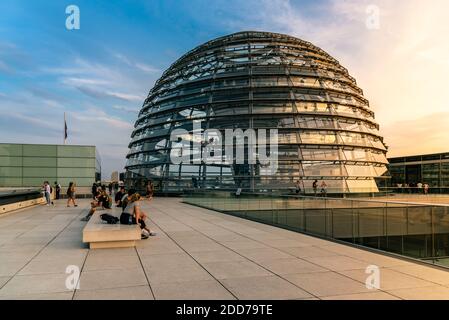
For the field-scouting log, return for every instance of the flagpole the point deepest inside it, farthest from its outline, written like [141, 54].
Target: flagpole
[65, 125]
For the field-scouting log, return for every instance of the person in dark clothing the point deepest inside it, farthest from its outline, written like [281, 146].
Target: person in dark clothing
[104, 200]
[94, 190]
[57, 190]
[100, 200]
[298, 187]
[194, 183]
[315, 187]
[118, 196]
[71, 194]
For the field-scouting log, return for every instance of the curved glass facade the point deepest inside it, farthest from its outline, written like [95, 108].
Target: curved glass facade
[326, 130]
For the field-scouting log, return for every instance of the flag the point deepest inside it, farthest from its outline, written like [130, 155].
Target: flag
[65, 129]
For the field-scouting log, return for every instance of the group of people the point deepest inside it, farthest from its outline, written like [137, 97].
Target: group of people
[128, 201]
[414, 187]
[47, 189]
[322, 186]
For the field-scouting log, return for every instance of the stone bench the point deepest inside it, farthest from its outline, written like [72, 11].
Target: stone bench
[99, 234]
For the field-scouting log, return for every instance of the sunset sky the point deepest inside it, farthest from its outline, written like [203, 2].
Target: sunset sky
[99, 75]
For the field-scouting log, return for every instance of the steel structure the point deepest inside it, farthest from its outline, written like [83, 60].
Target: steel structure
[326, 129]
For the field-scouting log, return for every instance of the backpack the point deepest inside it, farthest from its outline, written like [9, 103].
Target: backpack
[109, 218]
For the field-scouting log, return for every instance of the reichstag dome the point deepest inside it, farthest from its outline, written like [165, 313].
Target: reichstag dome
[326, 130]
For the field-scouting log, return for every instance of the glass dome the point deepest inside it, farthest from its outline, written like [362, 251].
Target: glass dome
[259, 80]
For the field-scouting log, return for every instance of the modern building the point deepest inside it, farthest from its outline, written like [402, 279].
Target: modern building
[28, 165]
[114, 176]
[430, 168]
[326, 130]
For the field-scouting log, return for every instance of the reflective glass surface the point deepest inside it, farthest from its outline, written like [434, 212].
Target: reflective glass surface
[256, 80]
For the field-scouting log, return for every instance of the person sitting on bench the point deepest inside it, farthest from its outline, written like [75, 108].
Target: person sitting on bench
[102, 200]
[132, 214]
[93, 208]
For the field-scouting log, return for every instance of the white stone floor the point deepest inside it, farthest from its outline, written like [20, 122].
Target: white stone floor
[197, 254]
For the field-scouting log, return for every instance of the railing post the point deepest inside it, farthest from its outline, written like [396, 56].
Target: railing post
[432, 232]
[386, 225]
[325, 217]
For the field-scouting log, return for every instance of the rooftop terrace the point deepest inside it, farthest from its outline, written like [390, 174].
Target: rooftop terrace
[197, 254]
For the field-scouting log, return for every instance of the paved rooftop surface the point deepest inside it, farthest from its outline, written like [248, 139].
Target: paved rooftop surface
[197, 254]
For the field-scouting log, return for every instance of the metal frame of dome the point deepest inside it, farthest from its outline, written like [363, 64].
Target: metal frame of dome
[258, 80]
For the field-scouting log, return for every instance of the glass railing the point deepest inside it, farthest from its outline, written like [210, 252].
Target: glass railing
[18, 195]
[414, 230]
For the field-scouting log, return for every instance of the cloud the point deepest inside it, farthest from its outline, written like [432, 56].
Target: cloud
[99, 94]
[72, 81]
[110, 134]
[97, 115]
[99, 81]
[138, 65]
[147, 68]
[126, 109]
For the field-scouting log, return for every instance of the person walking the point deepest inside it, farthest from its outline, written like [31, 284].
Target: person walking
[315, 187]
[71, 194]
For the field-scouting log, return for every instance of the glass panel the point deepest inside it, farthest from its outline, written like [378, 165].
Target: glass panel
[39, 172]
[39, 150]
[323, 169]
[39, 162]
[76, 162]
[396, 227]
[10, 149]
[10, 182]
[362, 186]
[10, 171]
[76, 172]
[321, 154]
[37, 181]
[11, 161]
[80, 182]
[76, 151]
[360, 171]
